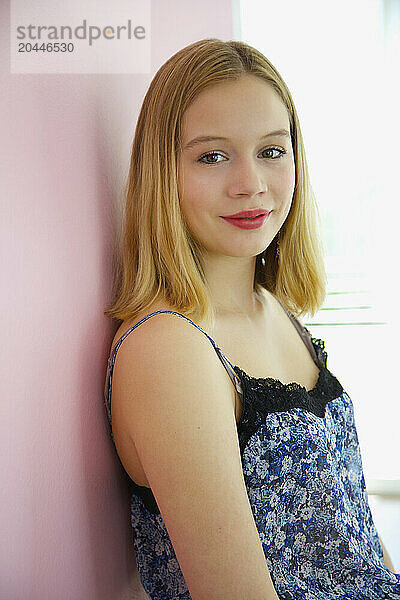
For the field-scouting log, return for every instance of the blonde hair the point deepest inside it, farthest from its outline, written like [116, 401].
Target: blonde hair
[158, 258]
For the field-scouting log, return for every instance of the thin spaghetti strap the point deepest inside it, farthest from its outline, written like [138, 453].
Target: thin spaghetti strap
[229, 367]
[303, 332]
[225, 361]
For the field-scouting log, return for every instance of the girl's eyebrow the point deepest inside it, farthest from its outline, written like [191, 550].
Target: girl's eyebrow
[212, 138]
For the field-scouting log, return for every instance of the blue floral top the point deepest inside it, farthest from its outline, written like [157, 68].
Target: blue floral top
[304, 479]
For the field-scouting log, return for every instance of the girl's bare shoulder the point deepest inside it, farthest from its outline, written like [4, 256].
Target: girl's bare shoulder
[128, 323]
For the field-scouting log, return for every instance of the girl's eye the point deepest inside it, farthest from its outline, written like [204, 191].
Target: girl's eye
[214, 154]
[281, 152]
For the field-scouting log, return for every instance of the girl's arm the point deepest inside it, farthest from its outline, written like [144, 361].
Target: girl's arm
[175, 402]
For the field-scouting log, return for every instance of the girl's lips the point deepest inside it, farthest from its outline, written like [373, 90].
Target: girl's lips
[245, 214]
[248, 223]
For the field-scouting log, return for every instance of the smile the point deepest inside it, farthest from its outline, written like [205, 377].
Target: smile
[248, 223]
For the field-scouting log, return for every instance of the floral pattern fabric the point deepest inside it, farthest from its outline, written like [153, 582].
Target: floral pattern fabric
[304, 479]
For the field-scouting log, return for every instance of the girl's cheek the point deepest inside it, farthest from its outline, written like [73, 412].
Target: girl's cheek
[287, 180]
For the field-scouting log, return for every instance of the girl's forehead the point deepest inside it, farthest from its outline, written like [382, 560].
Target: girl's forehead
[224, 101]
[247, 119]
[249, 88]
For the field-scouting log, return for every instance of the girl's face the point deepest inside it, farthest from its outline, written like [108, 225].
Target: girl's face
[242, 170]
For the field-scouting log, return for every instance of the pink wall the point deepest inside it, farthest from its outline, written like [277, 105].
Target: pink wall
[65, 142]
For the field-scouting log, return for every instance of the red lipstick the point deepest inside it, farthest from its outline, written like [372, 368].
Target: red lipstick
[248, 219]
[244, 214]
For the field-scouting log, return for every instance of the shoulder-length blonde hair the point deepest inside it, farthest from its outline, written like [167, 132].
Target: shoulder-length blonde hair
[158, 258]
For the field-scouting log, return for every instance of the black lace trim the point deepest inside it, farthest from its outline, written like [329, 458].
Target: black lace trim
[146, 494]
[262, 396]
